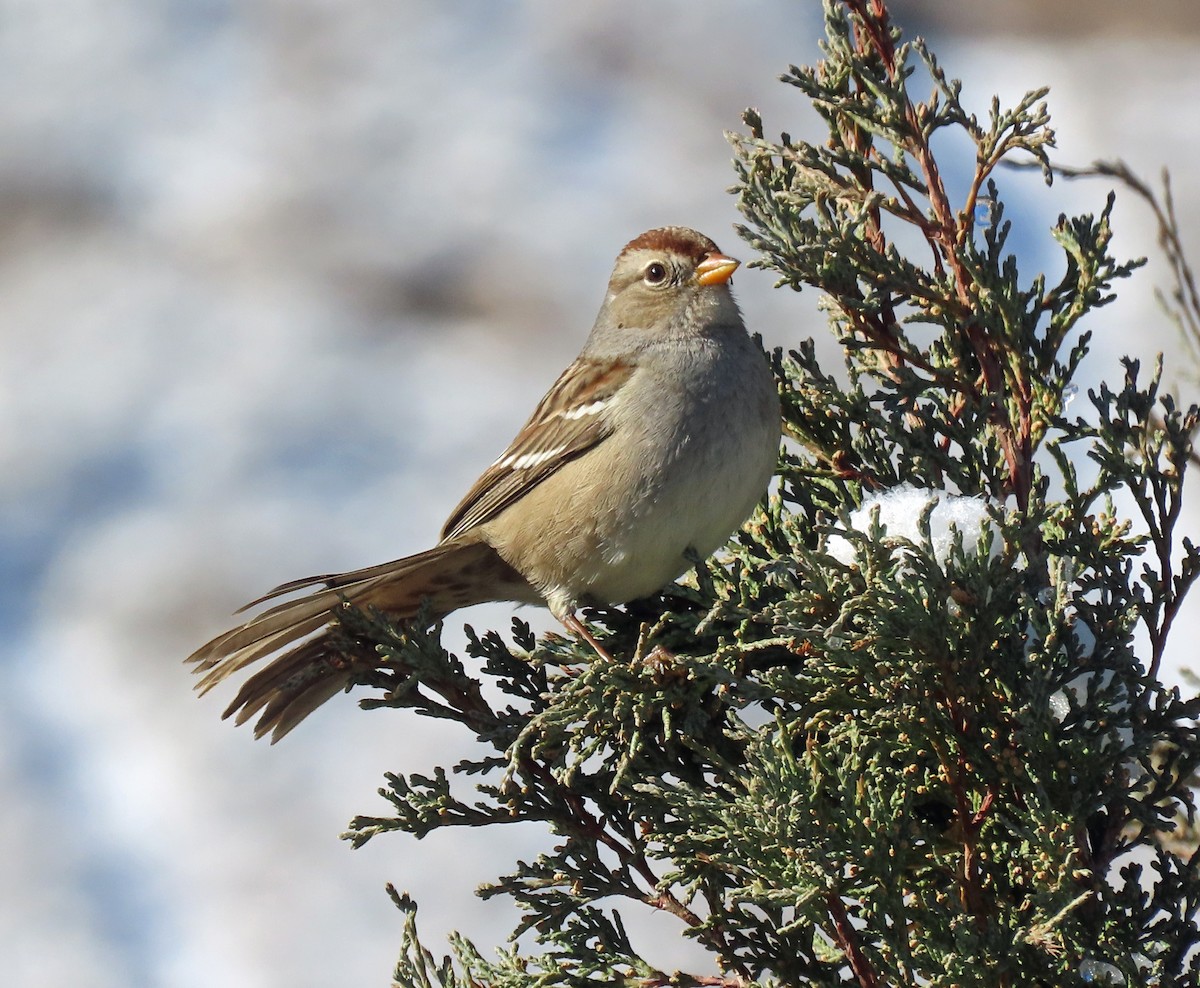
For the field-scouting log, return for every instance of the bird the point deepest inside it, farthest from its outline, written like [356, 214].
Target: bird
[648, 451]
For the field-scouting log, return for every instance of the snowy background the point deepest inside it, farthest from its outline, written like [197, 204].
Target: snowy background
[277, 279]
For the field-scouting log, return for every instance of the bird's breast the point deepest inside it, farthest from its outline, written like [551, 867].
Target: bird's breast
[694, 443]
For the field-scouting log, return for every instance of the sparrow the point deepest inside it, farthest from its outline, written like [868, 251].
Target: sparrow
[649, 450]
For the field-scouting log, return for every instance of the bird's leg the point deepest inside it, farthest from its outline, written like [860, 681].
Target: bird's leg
[577, 627]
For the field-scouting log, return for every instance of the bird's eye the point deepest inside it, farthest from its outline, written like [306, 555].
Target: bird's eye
[656, 273]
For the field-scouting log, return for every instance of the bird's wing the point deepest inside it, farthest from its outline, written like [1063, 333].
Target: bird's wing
[573, 417]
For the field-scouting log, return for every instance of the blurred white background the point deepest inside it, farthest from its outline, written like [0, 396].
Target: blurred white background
[277, 279]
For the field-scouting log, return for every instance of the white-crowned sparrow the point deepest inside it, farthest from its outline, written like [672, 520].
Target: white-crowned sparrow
[655, 443]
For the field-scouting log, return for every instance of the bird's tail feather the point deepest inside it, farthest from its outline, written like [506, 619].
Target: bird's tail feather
[307, 672]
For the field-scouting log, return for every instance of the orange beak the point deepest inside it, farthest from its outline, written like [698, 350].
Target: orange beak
[716, 269]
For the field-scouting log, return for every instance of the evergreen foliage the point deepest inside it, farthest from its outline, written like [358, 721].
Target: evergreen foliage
[914, 768]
